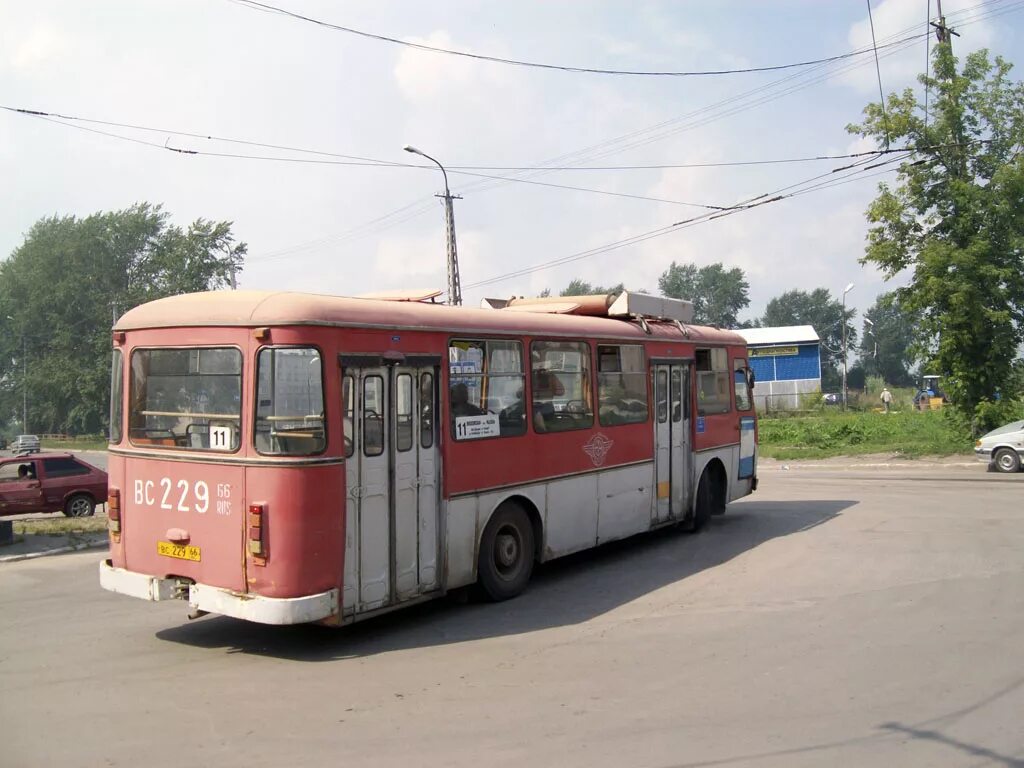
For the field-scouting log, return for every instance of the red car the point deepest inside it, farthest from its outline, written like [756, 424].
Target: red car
[50, 482]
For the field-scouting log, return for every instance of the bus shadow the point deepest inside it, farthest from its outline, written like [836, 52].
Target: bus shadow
[567, 591]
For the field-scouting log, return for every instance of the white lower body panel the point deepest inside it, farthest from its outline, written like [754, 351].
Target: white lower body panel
[201, 597]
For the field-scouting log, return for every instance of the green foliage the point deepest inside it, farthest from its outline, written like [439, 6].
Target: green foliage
[908, 433]
[989, 414]
[818, 309]
[64, 283]
[583, 288]
[954, 219]
[718, 294]
[873, 385]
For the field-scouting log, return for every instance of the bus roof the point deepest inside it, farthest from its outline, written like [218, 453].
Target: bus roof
[283, 308]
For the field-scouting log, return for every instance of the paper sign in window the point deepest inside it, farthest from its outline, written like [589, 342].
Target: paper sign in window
[475, 427]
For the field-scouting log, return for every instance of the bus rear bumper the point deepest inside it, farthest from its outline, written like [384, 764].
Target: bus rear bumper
[204, 598]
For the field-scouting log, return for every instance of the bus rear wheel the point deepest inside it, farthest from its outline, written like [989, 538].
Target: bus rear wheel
[506, 553]
[706, 502]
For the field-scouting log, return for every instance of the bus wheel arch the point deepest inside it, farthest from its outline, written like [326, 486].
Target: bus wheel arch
[509, 546]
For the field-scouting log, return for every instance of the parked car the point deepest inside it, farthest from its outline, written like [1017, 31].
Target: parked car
[25, 444]
[1002, 448]
[50, 482]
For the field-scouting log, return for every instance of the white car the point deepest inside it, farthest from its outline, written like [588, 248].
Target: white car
[24, 445]
[1002, 448]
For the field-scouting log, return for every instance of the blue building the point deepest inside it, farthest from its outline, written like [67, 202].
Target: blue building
[786, 363]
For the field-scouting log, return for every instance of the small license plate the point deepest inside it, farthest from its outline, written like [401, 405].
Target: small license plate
[180, 551]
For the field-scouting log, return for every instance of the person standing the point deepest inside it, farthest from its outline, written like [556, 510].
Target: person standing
[886, 398]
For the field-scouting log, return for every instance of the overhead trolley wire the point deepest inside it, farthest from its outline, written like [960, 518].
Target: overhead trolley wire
[802, 187]
[253, 4]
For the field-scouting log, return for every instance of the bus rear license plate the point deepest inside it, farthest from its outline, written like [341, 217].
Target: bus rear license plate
[180, 551]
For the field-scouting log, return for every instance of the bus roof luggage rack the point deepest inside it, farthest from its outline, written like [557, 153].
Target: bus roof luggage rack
[416, 294]
[626, 306]
[595, 306]
[642, 305]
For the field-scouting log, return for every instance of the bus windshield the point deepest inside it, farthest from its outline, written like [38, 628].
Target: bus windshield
[186, 398]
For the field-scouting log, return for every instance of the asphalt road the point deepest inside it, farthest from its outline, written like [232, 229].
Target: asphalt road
[862, 618]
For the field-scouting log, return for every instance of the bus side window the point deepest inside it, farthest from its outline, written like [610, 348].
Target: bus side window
[677, 395]
[403, 413]
[713, 389]
[427, 410]
[373, 416]
[621, 384]
[561, 386]
[741, 382]
[661, 397]
[348, 414]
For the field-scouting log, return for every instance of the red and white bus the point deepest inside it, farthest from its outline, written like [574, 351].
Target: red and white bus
[288, 458]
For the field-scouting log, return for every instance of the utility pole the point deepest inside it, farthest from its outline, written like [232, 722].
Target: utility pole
[454, 282]
[24, 382]
[942, 32]
[845, 291]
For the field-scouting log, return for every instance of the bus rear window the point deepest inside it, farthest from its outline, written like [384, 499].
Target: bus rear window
[186, 398]
[290, 402]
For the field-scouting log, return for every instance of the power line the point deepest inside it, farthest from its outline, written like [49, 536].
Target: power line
[755, 202]
[252, 4]
[592, 151]
[50, 117]
[608, 147]
[368, 162]
[205, 153]
[602, 149]
[927, 57]
[878, 71]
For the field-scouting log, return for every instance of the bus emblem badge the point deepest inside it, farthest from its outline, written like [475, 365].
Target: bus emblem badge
[597, 449]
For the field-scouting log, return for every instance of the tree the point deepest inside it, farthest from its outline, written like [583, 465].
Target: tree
[583, 288]
[63, 285]
[818, 309]
[718, 294]
[954, 220]
[885, 347]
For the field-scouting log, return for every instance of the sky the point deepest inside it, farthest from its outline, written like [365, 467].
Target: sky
[219, 68]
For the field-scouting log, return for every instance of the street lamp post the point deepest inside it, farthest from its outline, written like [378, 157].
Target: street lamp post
[846, 290]
[454, 283]
[24, 381]
[871, 329]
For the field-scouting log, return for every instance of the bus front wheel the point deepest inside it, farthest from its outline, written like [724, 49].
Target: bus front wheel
[506, 553]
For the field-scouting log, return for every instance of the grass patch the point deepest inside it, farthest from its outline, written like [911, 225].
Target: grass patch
[58, 525]
[76, 444]
[906, 433]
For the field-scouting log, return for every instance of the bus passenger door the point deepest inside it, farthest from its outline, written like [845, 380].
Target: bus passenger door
[671, 440]
[392, 530]
[367, 582]
[415, 488]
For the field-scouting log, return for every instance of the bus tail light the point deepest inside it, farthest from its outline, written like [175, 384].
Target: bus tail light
[114, 513]
[257, 534]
